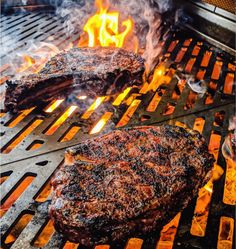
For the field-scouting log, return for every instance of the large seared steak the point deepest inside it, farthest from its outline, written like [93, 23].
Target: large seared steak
[85, 71]
[128, 182]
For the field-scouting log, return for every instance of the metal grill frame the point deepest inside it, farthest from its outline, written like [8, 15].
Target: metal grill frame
[25, 162]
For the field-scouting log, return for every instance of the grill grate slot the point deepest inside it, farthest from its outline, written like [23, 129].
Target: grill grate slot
[44, 235]
[17, 228]
[15, 193]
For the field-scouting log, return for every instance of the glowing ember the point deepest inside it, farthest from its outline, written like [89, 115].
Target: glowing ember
[53, 105]
[70, 245]
[35, 145]
[102, 247]
[229, 82]
[189, 65]
[45, 235]
[201, 212]
[180, 55]
[187, 42]
[134, 243]
[130, 100]
[82, 97]
[70, 134]
[154, 102]
[168, 233]
[3, 179]
[157, 76]
[179, 89]
[129, 113]
[172, 46]
[101, 123]
[206, 59]
[199, 124]
[228, 151]
[25, 182]
[22, 136]
[180, 124]
[192, 97]
[230, 183]
[103, 28]
[93, 107]
[144, 88]
[196, 50]
[61, 120]
[43, 195]
[20, 117]
[18, 228]
[226, 233]
[217, 70]
[121, 97]
[2, 114]
[28, 62]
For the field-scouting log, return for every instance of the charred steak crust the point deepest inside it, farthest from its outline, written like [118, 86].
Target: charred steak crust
[128, 182]
[87, 71]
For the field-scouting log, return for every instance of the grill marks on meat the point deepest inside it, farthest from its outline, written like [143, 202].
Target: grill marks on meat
[128, 182]
[85, 71]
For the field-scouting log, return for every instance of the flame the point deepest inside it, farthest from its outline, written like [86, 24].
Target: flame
[53, 105]
[61, 120]
[101, 123]
[121, 97]
[129, 113]
[103, 28]
[168, 232]
[157, 76]
[28, 62]
[82, 97]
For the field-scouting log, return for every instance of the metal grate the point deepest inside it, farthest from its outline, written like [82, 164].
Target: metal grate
[228, 5]
[33, 142]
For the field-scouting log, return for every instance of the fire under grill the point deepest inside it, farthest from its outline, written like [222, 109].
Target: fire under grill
[33, 142]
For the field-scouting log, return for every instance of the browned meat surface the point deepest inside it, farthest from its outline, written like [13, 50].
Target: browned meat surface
[128, 182]
[85, 71]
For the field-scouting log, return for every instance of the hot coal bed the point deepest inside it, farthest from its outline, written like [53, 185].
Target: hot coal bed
[33, 141]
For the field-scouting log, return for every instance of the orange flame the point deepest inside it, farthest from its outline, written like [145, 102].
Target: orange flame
[103, 28]
[28, 62]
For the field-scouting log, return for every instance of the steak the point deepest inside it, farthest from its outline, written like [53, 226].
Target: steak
[84, 71]
[127, 183]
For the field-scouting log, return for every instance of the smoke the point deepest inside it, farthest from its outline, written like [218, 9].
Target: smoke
[152, 18]
[75, 14]
[198, 86]
[159, 22]
[229, 145]
[232, 124]
[32, 57]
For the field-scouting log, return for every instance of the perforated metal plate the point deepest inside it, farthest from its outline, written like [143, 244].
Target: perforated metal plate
[26, 168]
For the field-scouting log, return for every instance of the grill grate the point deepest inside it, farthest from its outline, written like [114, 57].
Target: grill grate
[33, 142]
